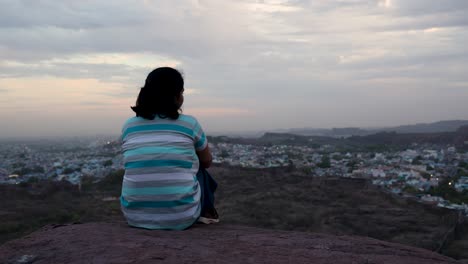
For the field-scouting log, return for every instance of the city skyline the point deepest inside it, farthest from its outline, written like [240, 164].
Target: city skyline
[75, 68]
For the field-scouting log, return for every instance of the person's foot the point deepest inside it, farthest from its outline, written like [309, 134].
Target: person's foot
[210, 216]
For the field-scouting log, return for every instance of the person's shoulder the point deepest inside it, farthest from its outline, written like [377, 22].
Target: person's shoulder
[188, 118]
[132, 120]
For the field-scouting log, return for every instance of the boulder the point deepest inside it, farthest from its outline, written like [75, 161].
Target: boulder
[119, 243]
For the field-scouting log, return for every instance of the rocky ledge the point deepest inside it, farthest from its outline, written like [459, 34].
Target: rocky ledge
[118, 243]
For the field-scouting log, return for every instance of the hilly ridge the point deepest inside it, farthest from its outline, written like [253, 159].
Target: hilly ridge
[458, 138]
[434, 127]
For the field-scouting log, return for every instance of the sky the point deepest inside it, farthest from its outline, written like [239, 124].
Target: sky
[71, 68]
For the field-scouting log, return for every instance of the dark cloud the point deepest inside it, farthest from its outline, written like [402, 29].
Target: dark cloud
[44, 29]
[447, 58]
[69, 14]
[102, 71]
[428, 7]
[444, 20]
[424, 14]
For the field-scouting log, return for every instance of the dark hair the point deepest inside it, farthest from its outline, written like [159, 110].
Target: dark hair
[163, 87]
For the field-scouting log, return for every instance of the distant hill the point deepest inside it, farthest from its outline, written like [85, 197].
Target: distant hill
[382, 139]
[334, 132]
[436, 127]
[441, 126]
[457, 138]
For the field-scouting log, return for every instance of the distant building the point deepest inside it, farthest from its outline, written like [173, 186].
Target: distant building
[409, 155]
[451, 149]
[3, 173]
[430, 154]
[378, 173]
[462, 184]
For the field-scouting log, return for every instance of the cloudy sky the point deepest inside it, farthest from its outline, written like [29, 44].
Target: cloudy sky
[75, 67]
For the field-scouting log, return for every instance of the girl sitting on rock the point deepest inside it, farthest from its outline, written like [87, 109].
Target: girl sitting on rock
[165, 155]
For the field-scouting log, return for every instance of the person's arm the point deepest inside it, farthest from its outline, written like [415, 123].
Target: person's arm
[205, 157]
[201, 146]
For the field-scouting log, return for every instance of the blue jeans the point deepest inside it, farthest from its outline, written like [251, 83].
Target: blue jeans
[208, 186]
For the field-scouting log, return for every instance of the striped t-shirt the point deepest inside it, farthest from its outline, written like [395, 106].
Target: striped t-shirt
[160, 189]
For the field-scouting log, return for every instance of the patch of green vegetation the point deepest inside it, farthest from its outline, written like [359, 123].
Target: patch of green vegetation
[411, 189]
[33, 180]
[417, 161]
[426, 175]
[463, 165]
[446, 190]
[68, 170]
[325, 162]
[27, 170]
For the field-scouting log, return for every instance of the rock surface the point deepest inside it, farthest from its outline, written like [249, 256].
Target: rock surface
[118, 243]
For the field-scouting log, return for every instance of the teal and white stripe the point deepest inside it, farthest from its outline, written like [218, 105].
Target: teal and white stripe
[160, 189]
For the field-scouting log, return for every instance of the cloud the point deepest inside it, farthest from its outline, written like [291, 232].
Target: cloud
[289, 63]
[69, 14]
[185, 29]
[425, 7]
[123, 67]
[218, 112]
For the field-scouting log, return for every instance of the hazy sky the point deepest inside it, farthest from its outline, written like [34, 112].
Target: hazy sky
[75, 67]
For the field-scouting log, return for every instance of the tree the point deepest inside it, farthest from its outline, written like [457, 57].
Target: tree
[38, 169]
[417, 160]
[410, 189]
[224, 154]
[33, 180]
[337, 157]
[352, 165]
[325, 162]
[68, 171]
[447, 191]
[426, 175]
[463, 165]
